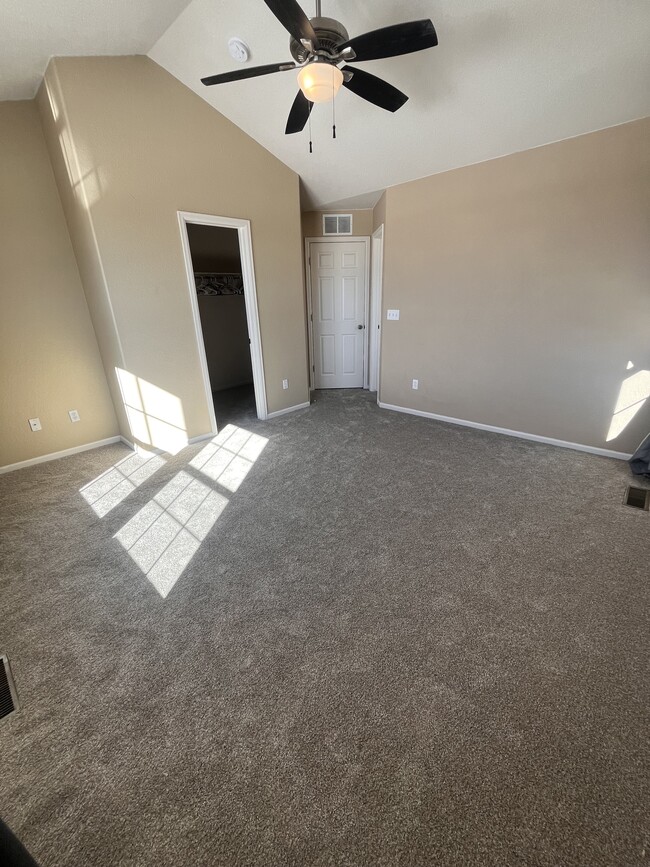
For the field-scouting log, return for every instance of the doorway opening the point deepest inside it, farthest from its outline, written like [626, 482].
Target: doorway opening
[219, 264]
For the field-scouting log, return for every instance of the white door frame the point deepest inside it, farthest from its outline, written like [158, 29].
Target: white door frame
[376, 289]
[250, 301]
[342, 239]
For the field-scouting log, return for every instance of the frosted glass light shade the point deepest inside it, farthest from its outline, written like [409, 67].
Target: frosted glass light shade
[320, 82]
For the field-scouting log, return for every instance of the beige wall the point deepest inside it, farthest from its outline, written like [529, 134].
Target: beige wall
[524, 290]
[312, 222]
[49, 359]
[132, 146]
[225, 335]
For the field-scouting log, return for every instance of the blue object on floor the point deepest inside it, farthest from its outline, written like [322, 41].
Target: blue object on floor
[640, 460]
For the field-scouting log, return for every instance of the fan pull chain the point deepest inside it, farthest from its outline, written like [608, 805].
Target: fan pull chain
[310, 147]
[333, 112]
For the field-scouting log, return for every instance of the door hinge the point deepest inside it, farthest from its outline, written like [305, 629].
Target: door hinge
[311, 316]
[313, 368]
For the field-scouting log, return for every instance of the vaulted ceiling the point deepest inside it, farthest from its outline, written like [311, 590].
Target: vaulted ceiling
[32, 31]
[507, 75]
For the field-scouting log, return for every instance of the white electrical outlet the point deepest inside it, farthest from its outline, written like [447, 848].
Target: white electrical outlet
[392, 314]
[285, 383]
[416, 384]
[35, 424]
[74, 415]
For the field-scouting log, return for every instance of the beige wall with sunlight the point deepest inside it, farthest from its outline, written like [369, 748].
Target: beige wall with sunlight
[49, 359]
[132, 146]
[523, 286]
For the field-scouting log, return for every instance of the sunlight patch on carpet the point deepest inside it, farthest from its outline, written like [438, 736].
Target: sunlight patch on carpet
[165, 534]
[228, 458]
[113, 486]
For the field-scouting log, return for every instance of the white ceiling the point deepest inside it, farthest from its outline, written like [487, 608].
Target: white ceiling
[32, 31]
[507, 75]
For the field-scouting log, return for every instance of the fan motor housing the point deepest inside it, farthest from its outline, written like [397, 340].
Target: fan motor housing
[331, 33]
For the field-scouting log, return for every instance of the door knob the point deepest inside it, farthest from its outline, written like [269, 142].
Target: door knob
[360, 327]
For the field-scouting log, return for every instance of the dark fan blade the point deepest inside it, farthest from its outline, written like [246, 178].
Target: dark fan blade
[293, 19]
[393, 41]
[375, 90]
[299, 114]
[251, 72]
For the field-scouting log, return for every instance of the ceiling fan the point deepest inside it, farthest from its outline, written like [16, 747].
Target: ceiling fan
[321, 49]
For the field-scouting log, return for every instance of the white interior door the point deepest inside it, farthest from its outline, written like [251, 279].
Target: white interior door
[338, 301]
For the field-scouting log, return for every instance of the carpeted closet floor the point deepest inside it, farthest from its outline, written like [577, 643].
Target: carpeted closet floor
[352, 638]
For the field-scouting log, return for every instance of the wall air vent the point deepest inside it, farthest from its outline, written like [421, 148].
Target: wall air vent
[637, 497]
[337, 224]
[8, 696]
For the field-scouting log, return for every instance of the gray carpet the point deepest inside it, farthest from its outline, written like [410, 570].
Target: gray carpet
[235, 404]
[400, 643]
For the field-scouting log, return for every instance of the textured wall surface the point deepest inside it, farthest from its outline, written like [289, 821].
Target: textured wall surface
[524, 290]
[132, 147]
[49, 357]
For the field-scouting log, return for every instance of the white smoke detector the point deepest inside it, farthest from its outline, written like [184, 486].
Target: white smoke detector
[238, 49]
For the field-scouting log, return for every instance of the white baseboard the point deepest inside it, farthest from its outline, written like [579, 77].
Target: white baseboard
[288, 409]
[278, 412]
[63, 454]
[593, 450]
[153, 450]
[201, 438]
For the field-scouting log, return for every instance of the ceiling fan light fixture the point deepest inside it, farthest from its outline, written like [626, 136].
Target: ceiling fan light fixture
[320, 82]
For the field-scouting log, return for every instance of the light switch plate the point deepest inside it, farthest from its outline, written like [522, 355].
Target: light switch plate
[74, 415]
[35, 424]
[392, 314]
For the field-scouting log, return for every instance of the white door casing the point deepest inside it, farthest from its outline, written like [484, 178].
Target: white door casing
[250, 299]
[375, 323]
[338, 310]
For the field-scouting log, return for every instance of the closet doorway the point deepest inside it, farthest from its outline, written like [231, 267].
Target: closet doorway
[218, 259]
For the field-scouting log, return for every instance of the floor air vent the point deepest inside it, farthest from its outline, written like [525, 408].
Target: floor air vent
[639, 498]
[8, 697]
